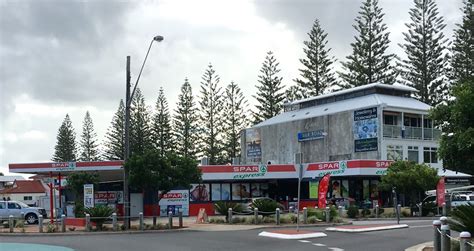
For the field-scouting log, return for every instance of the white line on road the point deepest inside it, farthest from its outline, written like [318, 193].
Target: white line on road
[319, 244]
[304, 241]
[336, 249]
[420, 226]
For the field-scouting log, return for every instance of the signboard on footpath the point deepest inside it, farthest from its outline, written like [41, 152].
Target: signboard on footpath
[173, 201]
[88, 195]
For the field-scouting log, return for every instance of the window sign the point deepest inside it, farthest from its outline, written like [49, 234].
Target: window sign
[225, 192]
[216, 192]
[199, 192]
[255, 190]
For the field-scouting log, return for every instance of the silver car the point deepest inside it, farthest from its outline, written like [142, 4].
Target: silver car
[20, 210]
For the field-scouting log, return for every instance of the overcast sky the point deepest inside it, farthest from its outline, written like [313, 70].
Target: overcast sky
[59, 57]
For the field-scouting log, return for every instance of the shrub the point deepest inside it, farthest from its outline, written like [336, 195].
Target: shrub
[365, 212]
[50, 228]
[381, 211]
[288, 219]
[72, 229]
[353, 212]
[237, 220]
[266, 206]
[99, 214]
[222, 207]
[313, 220]
[405, 214]
[317, 213]
[20, 224]
[217, 220]
[79, 210]
[337, 220]
[462, 219]
[268, 220]
[333, 212]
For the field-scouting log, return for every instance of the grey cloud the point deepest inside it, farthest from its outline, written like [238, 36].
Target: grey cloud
[51, 50]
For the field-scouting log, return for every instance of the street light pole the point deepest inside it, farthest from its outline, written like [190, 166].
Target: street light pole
[128, 101]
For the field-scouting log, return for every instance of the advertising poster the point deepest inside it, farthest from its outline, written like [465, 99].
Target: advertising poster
[345, 188]
[216, 192]
[365, 128]
[253, 143]
[255, 190]
[225, 192]
[323, 190]
[199, 192]
[88, 195]
[313, 189]
[173, 201]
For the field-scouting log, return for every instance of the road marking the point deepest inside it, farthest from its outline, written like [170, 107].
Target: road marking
[304, 241]
[420, 226]
[336, 249]
[319, 244]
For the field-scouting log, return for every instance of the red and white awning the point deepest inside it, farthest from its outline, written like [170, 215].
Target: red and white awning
[66, 166]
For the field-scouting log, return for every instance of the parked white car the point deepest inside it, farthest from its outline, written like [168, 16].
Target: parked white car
[19, 209]
[462, 199]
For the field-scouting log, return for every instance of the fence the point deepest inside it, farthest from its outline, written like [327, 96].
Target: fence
[443, 240]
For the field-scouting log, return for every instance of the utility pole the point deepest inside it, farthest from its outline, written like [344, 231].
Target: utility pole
[126, 193]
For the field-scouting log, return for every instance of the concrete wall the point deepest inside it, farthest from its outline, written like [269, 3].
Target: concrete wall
[280, 142]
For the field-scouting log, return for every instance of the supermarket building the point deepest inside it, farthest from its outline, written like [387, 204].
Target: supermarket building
[353, 134]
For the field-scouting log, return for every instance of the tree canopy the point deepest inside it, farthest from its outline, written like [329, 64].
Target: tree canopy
[410, 178]
[151, 171]
[456, 120]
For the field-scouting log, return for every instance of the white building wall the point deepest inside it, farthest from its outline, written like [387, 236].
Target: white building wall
[21, 196]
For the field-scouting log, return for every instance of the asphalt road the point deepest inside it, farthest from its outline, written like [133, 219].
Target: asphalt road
[399, 239]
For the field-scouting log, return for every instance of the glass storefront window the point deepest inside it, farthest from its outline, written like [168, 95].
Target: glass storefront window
[345, 188]
[366, 191]
[255, 190]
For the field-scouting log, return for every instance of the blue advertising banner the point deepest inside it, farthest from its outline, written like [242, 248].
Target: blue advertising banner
[365, 128]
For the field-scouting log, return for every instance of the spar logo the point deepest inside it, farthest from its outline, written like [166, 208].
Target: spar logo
[64, 166]
[250, 171]
[335, 168]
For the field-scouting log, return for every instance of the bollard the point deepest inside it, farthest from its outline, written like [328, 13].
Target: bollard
[114, 221]
[63, 223]
[255, 211]
[180, 217]
[40, 223]
[376, 211]
[444, 209]
[445, 241]
[437, 235]
[341, 210]
[170, 220]
[140, 216]
[305, 215]
[464, 239]
[88, 222]
[327, 215]
[229, 215]
[10, 223]
[399, 210]
[278, 216]
[444, 220]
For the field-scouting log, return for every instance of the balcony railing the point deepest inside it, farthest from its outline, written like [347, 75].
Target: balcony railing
[395, 131]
